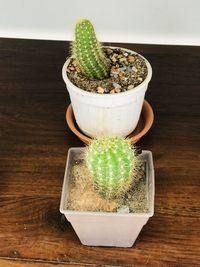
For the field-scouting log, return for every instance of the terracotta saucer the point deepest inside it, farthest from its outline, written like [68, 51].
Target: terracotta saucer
[143, 126]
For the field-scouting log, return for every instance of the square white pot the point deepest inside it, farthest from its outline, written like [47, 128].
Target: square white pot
[107, 228]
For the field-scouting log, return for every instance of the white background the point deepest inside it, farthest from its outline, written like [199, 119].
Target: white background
[135, 21]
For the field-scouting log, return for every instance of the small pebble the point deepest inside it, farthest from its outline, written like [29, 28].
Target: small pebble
[139, 79]
[123, 68]
[114, 70]
[109, 51]
[123, 59]
[121, 76]
[116, 85]
[131, 58]
[134, 69]
[123, 209]
[71, 68]
[113, 58]
[129, 196]
[117, 90]
[112, 91]
[100, 90]
[130, 87]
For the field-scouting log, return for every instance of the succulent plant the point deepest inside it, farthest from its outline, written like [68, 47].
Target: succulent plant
[88, 52]
[112, 163]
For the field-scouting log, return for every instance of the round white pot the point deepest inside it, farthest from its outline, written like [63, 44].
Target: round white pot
[107, 114]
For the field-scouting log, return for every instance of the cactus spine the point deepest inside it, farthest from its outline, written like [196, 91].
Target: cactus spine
[112, 162]
[88, 52]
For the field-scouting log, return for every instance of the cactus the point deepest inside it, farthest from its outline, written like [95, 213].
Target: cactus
[88, 52]
[112, 163]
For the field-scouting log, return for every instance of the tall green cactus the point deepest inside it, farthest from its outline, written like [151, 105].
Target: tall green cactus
[88, 52]
[112, 162]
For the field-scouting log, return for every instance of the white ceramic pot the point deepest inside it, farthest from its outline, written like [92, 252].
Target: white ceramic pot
[107, 114]
[107, 228]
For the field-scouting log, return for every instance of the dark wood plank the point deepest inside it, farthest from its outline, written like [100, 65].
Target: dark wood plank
[34, 140]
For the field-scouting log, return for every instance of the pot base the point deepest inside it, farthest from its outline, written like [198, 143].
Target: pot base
[143, 126]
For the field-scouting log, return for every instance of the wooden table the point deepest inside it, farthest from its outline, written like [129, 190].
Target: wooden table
[34, 140]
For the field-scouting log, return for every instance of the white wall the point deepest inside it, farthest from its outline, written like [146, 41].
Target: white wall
[135, 21]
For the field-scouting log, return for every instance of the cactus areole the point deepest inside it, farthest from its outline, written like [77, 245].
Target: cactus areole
[88, 52]
[112, 162]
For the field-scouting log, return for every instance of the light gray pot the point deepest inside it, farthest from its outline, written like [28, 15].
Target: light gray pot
[106, 228]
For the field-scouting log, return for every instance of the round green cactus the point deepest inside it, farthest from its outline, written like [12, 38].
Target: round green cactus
[112, 162]
[88, 53]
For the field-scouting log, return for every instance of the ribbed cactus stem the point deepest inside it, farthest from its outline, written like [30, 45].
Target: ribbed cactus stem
[88, 52]
[112, 162]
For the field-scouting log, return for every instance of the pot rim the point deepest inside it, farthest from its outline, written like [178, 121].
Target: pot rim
[96, 95]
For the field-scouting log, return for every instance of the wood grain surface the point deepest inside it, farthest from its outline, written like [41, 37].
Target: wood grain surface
[32, 263]
[34, 140]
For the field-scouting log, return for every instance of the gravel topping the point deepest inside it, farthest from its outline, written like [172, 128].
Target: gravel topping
[127, 71]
